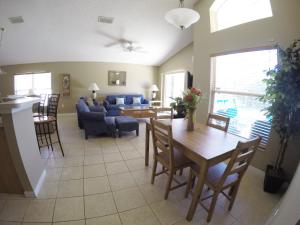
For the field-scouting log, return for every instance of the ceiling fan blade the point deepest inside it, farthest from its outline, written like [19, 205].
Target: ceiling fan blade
[112, 44]
[108, 35]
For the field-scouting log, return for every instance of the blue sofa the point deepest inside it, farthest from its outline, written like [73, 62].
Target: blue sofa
[93, 120]
[114, 110]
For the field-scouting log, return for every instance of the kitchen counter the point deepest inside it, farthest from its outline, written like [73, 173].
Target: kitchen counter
[21, 166]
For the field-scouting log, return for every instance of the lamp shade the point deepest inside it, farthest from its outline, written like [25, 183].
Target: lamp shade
[93, 87]
[182, 17]
[154, 87]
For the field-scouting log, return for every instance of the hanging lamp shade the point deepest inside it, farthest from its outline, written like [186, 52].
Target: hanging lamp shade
[182, 17]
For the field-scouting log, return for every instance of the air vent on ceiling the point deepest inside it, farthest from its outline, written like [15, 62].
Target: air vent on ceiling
[105, 19]
[16, 19]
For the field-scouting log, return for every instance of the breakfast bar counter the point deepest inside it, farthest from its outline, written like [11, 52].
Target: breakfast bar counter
[21, 166]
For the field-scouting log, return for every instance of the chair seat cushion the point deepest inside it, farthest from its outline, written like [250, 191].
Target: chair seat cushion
[179, 158]
[215, 173]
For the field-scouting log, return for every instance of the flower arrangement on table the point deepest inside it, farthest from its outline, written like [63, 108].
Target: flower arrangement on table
[191, 98]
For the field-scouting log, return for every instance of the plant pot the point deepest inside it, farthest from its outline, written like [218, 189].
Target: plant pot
[273, 179]
[180, 111]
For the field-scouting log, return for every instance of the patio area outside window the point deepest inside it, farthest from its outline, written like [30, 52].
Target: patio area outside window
[237, 84]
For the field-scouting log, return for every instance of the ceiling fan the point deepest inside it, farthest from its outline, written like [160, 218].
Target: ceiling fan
[131, 47]
[125, 44]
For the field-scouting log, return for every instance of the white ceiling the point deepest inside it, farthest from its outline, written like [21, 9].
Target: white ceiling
[67, 30]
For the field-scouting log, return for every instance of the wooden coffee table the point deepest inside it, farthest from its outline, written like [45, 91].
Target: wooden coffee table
[138, 111]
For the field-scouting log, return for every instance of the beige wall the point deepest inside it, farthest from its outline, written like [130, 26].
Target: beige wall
[182, 61]
[139, 79]
[283, 28]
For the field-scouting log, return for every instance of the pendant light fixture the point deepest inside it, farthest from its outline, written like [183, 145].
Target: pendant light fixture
[182, 17]
[1, 36]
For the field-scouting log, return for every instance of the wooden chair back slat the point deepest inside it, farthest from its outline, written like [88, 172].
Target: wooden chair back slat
[222, 122]
[244, 156]
[162, 139]
[240, 168]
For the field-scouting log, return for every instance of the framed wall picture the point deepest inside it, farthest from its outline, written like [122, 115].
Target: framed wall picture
[116, 78]
[66, 84]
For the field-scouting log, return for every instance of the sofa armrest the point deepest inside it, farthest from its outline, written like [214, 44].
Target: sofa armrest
[145, 101]
[105, 103]
[98, 108]
[95, 116]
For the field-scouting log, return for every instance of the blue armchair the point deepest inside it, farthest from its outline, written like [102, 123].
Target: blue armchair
[94, 122]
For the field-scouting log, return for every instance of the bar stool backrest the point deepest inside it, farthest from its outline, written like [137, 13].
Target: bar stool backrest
[41, 106]
[53, 100]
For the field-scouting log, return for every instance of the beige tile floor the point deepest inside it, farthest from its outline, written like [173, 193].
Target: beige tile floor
[103, 181]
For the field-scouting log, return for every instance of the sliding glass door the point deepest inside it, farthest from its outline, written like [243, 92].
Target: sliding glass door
[174, 85]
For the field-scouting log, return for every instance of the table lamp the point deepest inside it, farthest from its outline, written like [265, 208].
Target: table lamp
[154, 89]
[94, 87]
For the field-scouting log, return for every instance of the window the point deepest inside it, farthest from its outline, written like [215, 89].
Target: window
[174, 84]
[237, 84]
[229, 13]
[39, 83]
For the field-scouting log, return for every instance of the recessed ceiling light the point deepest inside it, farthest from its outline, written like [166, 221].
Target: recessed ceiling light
[105, 19]
[16, 19]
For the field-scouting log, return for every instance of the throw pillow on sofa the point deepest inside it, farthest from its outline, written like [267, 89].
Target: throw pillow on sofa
[120, 101]
[136, 100]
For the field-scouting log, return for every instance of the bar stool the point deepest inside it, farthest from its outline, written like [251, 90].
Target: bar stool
[41, 106]
[46, 125]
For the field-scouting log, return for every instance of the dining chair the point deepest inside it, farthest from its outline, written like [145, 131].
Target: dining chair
[169, 157]
[224, 176]
[218, 122]
[164, 113]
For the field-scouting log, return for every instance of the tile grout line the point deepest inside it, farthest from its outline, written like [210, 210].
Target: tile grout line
[113, 197]
[84, 213]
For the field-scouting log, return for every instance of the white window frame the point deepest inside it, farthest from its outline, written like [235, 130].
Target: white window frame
[32, 80]
[164, 83]
[215, 91]
[217, 6]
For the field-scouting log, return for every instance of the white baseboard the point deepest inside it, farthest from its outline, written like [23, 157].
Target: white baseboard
[35, 192]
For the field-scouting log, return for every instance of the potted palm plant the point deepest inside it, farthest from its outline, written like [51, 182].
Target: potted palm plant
[283, 100]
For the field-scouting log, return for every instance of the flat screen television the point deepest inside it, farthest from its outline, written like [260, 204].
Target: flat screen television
[189, 80]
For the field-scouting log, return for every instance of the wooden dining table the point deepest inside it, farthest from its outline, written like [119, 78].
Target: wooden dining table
[206, 146]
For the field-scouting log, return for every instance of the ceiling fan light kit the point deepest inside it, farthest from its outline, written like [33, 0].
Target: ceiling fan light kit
[181, 17]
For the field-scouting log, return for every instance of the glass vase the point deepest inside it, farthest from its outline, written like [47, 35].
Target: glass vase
[191, 119]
